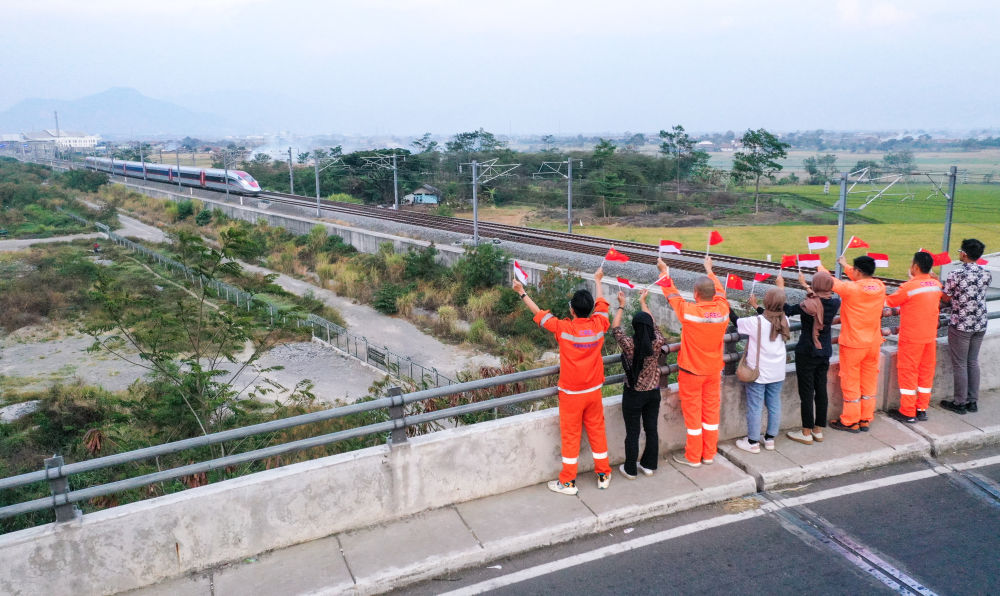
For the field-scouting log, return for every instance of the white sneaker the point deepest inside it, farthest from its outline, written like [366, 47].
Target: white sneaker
[769, 444]
[621, 469]
[708, 462]
[567, 488]
[799, 437]
[746, 445]
[817, 436]
[645, 471]
[604, 481]
[679, 458]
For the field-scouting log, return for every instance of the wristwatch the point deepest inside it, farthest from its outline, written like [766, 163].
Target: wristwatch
[524, 295]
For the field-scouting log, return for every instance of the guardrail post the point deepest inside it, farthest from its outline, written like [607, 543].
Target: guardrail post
[398, 435]
[59, 485]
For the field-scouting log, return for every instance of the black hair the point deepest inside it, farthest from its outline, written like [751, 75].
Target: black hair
[973, 248]
[582, 303]
[865, 264]
[924, 261]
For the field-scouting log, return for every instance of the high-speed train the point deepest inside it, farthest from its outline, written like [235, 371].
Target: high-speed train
[239, 182]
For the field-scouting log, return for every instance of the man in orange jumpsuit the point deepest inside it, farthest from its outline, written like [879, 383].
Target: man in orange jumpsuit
[862, 301]
[919, 302]
[703, 325]
[581, 377]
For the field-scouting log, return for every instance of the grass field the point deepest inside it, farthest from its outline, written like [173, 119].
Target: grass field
[976, 163]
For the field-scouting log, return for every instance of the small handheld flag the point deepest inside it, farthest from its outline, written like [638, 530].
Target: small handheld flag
[520, 273]
[881, 260]
[810, 260]
[761, 276]
[614, 255]
[625, 283]
[817, 242]
[857, 243]
[733, 282]
[982, 262]
[669, 246]
[664, 282]
[788, 261]
[941, 258]
[714, 238]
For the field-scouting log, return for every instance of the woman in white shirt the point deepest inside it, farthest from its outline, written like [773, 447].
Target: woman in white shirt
[766, 390]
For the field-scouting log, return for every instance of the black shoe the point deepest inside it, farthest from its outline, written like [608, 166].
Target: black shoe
[953, 407]
[865, 425]
[897, 415]
[836, 424]
[971, 406]
[922, 415]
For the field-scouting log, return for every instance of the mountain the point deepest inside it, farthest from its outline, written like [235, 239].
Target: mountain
[119, 111]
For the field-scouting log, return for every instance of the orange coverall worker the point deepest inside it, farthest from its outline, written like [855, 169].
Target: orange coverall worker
[703, 325]
[862, 301]
[919, 301]
[581, 376]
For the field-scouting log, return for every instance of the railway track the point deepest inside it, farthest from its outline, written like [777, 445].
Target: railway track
[688, 260]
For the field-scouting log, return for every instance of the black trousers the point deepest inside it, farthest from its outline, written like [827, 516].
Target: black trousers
[811, 373]
[641, 407]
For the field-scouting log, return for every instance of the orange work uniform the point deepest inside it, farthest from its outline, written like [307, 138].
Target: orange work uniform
[703, 325]
[581, 376]
[919, 301]
[862, 301]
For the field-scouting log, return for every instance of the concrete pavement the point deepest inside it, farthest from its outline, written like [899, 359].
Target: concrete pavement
[436, 542]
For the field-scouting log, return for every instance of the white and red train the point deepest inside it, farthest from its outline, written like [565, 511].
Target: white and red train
[239, 182]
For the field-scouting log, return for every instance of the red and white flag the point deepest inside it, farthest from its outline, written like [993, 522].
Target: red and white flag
[761, 276]
[810, 260]
[733, 282]
[817, 242]
[614, 255]
[881, 260]
[625, 283]
[520, 273]
[669, 246]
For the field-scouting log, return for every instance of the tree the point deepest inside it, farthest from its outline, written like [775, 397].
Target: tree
[603, 152]
[688, 160]
[477, 141]
[761, 149]
[425, 144]
[900, 162]
[820, 167]
[874, 167]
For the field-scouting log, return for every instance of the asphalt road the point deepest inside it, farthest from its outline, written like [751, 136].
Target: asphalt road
[925, 527]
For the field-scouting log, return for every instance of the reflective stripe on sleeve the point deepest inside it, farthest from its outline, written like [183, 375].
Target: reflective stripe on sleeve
[545, 318]
[907, 391]
[710, 426]
[603, 314]
[603, 455]
[581, 390]
[694, 431]
[569, 460]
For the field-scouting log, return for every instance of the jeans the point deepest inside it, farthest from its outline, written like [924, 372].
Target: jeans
[644, 407]
[964, 349]
[811, 373]
[758, 395]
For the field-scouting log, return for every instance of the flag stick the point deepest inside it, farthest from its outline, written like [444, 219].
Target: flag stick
[664, 276]
[752, 286]
[708, 245]
[846, 246]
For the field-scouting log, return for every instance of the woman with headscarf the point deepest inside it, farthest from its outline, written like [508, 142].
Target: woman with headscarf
[771, 326]
[812, 353]
[641, 396]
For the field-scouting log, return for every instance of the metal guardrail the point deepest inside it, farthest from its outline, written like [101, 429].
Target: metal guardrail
[356, 346]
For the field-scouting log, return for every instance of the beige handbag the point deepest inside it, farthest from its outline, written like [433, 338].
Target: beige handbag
[743, 371]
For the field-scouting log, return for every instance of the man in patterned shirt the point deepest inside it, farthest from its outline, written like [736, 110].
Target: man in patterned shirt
[965, 289]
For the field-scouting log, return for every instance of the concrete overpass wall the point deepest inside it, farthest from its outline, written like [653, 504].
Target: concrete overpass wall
[143, 543]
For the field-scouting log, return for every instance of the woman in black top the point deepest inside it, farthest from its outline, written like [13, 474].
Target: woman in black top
[641, 396]
[813, 352]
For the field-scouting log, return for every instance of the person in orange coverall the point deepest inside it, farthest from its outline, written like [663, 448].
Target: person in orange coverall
[581, 377]
[703, 325]
[862, 301]
[919, 302]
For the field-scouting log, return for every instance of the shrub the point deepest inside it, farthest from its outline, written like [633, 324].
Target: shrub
[481, 306]
[85, 180]
[422, 264]
[185, 209]
[405, 303]
[385, 298]
[480, 333]
[447, 315]
[335, 245]
[203, 218]
[444, 210]
[483, 266]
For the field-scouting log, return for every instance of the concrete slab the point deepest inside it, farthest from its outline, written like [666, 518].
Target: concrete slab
[840, 452]
[188, 585]
[627, 501]
[526, 518]
[300, 569]
[410, 549]
[947, 431]
[720, 481]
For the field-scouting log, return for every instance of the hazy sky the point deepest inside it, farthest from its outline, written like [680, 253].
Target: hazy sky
[525, 65]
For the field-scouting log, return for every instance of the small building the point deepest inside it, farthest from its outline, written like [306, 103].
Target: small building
[425, 195]
[65, 139]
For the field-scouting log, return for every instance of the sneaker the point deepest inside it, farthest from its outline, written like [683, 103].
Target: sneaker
[566, 488]
[708, 462]
[621, 469]
[817, 435]
[604, 481]
[953, 407]
[679, 458]
[746, 445]
[769, 444]
[901, 417]
[838, 425]
[922, 415]
[800, 437]
[971, 406]
[864, 425]
[645, 471]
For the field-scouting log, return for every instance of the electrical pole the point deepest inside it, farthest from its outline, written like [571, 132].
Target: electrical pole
[387, 162]
[142, 160]
[490, 171]
[291, 174]
[952, 176]
[56, 114]
[178, 154]
[395, 183]
[332, 161]
[475, 204]
[555, 167]
[841, 219]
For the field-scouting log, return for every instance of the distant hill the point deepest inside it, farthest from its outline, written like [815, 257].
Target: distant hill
[117, 111]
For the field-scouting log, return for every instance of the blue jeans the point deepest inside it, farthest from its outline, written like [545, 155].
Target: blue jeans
[759, 395]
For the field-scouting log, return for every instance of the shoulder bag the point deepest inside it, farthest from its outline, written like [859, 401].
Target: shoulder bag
[743, 371]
